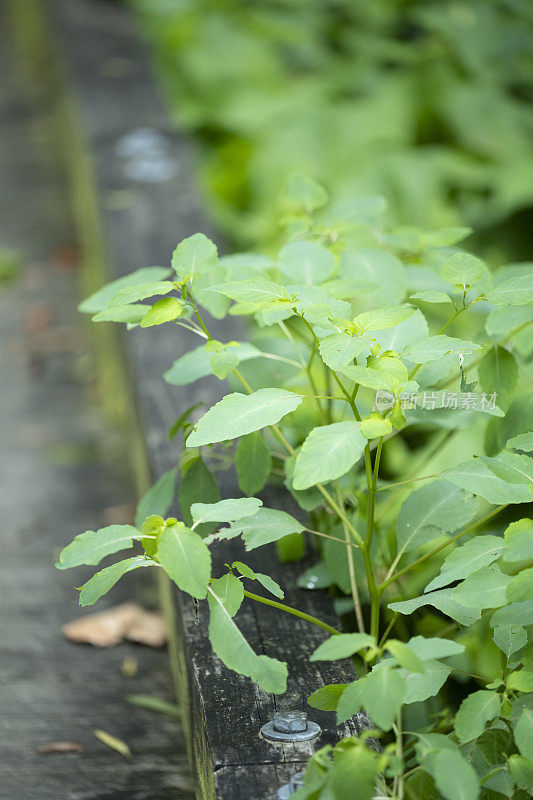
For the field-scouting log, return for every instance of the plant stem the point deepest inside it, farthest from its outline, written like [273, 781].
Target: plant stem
[440, 547]
[351, 567]
[289, 610]
[390, 626]
[373, 589]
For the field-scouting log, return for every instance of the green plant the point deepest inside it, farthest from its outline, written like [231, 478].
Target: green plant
[425, 102]
[327, 407]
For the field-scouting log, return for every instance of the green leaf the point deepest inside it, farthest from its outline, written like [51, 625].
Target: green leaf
[229, 591]
[524, 441]
[405, 656]
[307, 263]
[432, 297]
[498, 373]
[267, 525]
[467, 559]
[443, 602]
[165, 310]
[113, 742]
[520, 681]
[223, 363]
[435, 347]
[327, 697]
[380, 693]
[238, 414]
[154, 704]
[181, 420]
[474, 712]
[132, 294]
[454, 777]
[196, 363]
[186, 559]
[422, 686]
[523, 733]
[514, 292]
[514, 614]
[510, 638]
[253, 290]
[197, 486]
[252, 463]
[224, 510]
[327, 453]
[378, 267]
[446, 237]
[304, 193]
[354, 774]
[215, 303]
[381, 318]
[340, 349]
[433, 509]
[521, 586]
[99, 299]
[374, 426]
[521, 770]
[158, 498]
[427, 648]
[104, 580]
[92, 546]
[194, 255]
[491, 478]
[463, 271]
[519, 541]
[485, 588]
[132, 314]
[371, 378]
[342, 646]
[234, 651]
[270, 585]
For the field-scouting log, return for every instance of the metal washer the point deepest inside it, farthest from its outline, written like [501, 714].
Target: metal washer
[269, 732]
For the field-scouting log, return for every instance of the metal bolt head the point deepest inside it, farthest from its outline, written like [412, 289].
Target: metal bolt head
[290, 721]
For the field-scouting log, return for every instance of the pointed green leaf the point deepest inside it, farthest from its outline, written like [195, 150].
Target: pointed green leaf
[327, 453]
[229, 591]
[339, 349]
[524, 441]
[520, 681]
[498, 373]
[485, 588]
[435, 347]
[132, 314]
[510, 638]
[519, 541]
[523, 733]
[194, 255]
[433, 509]
[432, 297]
[104, 580]
[514, 614]
[132, 294]
[443, 602]
[223, 363]
[270, 585]
[99, 299]
[467, 559]
[197, 486]
[474, 712]
[165, 310]
[434, 647]
[253, 290]
[514, 292]
[380, 693]
[306, 262]
[521, 586]
[374, 426]
[480, 476]
[342, 646]
[186, 559]
[327, 697]
[422, 686]
[405, 656]
[521, 770]
[158, 498]
[267, 525]
[234, 651]
[225, 510]
[92, 546]
[454, 777]
[238, 414]
[354, 774]
[252, 463]
[196, 363]
[462, 270]
[381, 318]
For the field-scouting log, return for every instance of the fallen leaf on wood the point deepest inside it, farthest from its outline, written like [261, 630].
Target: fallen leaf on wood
[126, 621]
[154, 704]
[59, 747]
[114, 743]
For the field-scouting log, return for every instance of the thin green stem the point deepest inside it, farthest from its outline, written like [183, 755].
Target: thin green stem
[351, 566]
[403, 483]
[373, 589]
[440, 547]
[390, 626]
[289, 610]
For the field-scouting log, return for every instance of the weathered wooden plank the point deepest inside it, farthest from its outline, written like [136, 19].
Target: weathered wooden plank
[142, 220]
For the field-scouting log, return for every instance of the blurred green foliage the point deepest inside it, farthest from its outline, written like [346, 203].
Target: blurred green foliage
[425, 103]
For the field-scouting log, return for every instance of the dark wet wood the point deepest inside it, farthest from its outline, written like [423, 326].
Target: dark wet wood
[108, 71]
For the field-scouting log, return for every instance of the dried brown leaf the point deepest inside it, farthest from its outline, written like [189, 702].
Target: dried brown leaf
[126, 621]
[59, 747]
